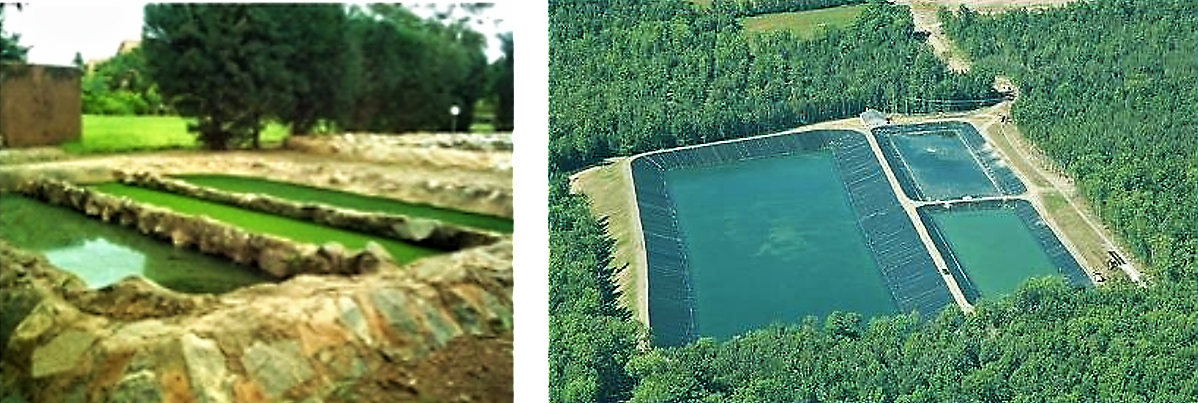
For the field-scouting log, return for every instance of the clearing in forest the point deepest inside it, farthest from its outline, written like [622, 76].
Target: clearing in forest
[806, 24]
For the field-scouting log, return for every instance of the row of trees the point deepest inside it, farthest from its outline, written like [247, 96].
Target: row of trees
[1044, 342]
[377, 68]
[1047, 342]
[631, 76]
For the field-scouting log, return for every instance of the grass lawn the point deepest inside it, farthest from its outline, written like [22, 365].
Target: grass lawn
[1090, 244]
[480, 127]
[807, 24]
[266, 223]
[336, 198]
[109, 134]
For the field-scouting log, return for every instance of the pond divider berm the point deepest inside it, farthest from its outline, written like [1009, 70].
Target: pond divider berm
[279, 257]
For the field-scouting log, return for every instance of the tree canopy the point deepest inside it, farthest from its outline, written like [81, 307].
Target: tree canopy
[10, 47]
[376, 68]
[1106, 90]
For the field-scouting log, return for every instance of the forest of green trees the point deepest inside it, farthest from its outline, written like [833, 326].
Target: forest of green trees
[377, 68]
[630, 76]
[1107, 90]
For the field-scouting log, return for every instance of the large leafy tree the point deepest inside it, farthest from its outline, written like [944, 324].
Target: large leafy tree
[221, 64]
[406, 72]
[120, 86]
[314, 72]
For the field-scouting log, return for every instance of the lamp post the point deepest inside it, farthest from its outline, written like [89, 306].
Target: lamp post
[453, 124]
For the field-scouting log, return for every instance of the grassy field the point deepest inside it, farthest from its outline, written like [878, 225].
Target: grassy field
[1091, 246]
[347, 200]
[109, 134]
[807, 24]
[265, 223]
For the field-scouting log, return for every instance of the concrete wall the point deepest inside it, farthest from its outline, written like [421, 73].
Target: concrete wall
[39, 105]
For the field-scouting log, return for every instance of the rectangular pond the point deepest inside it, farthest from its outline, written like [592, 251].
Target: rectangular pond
[992, 247]
[945, 161]
[347, 200]
[102, 254]
[254, 221]
[771, 229]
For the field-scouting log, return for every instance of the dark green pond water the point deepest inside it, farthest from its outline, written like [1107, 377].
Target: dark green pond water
[306, 194]
[994, 247]
[773, 240]
[942, 166]
[253, 221]
[102, 253]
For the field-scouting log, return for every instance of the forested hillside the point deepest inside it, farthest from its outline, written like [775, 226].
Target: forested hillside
[1109, 92]
[645, 81]
[632, 76]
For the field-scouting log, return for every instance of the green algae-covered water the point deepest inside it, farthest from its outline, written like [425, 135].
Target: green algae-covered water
[995, 248]
[942, 166]
[307, 194]
[102, 253]
[253, 221]
[773, 240]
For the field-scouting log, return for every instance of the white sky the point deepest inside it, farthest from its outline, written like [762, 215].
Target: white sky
[55, 31]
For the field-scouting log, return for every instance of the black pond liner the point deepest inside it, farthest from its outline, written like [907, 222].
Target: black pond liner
[906, 267]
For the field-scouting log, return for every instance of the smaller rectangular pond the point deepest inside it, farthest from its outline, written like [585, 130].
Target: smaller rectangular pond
[254, 221]
[994, 246]
[102, 254]
[945, 161]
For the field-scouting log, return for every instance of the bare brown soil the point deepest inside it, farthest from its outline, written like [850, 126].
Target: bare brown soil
[468, 369]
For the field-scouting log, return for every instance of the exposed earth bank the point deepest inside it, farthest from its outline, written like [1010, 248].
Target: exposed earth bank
[439, 329]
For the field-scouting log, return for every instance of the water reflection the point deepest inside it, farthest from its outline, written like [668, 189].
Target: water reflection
[102, 254]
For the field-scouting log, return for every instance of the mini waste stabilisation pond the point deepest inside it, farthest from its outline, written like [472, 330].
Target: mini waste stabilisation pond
[101, 252]
[347, 200]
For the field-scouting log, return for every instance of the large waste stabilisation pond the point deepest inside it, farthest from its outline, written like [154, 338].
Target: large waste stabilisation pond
[745, 233]
[993, 246]
[346, 200]
[944, 161]
[263, 223]
[101, 254]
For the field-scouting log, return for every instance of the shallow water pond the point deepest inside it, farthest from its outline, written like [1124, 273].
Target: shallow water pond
[101, 253]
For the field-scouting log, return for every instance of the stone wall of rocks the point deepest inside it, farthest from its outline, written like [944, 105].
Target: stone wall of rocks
[485, 152]
[279, 257]
[310, 339]
[424, 232]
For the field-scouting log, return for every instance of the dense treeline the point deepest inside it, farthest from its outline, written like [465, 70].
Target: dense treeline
[118, 86]
[1046, 342]
[378, 68]
[631, 76]
[749, 8]
[1117, 113]
[591, 337]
